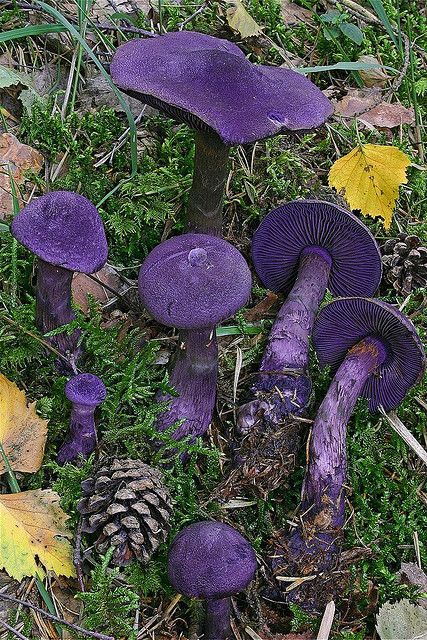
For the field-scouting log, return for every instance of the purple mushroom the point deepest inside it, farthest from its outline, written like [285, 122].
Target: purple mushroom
[376, 354]
[300, 249]
[65, 232]
[208, 83]
[211, 561]
[85, 391]
[193, 282]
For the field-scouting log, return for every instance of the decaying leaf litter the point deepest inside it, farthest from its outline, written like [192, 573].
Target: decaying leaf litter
[385, 523]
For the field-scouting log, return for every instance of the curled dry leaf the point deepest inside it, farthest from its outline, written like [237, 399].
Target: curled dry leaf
[292, 13]
[239, 20]
[33, 525]
[22, 432]
[356, 101]
[369, 178]
[83, 286]
[15, 160]
[387, 115]
[375, 77]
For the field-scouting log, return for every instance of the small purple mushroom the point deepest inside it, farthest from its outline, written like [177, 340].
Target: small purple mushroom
[64, 230]
[193, 282]
[85, 391]
[377, 355]
[212, 561]
[300, 249]
[208, 83]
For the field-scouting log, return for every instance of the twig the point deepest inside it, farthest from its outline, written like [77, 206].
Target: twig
[405, 434]
[327, 621]
[193, 15]
[77, 556]
[50, 616]
[13, 630]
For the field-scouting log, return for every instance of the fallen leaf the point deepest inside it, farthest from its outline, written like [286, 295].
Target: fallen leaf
[239, 20]
[9, 78]
[83, 286]
[402, 621]
[32, 524]
[292, 13]
[369, 178]
[16, 159]
[98, 93]
[356, 101]
[411, 573]
[22, 432]
[375, 77]
[388, 115]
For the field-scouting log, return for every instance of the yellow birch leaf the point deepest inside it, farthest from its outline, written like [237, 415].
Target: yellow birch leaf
[369, 178]
[240, 20]
[22, 432]
[32, 524]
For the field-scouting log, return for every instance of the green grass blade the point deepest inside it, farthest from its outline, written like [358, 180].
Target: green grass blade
[345, 66]
[379, 9]
[132, 127]
[31, 30]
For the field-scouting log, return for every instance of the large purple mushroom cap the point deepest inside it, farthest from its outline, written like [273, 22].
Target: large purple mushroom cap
[295, 226]
[210, 560]
[64, 229]
[86, 389]
[194, 281]
[208, 83]
[344, 322]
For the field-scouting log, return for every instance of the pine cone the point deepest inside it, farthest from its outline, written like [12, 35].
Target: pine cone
[128, 506]
[405, 263]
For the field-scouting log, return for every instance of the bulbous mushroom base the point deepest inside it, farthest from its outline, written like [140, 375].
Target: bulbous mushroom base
[276, 396]
[76, 445]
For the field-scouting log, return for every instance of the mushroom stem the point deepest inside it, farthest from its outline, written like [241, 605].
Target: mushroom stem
[282, 385]
[217, 622]
[315, 547]
[204, 214]
[82, 439]
[53, 306]
[194, 378]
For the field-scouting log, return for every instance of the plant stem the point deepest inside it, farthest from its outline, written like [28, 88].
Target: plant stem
[217, 623]
[53, 306]
[204, 214]
[194, 378]
[282, 385]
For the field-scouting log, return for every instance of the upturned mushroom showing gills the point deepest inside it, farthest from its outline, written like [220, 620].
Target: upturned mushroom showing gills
[212, 561]
[301, 249]
[208, 83]
[377, 355]
[192, 282]
[85, 391]
[65, 232]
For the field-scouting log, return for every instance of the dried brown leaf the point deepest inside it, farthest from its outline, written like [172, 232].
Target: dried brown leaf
[388, 115]
[292, 13]
[356, 101]
[83, 286]
[376, 77]
[15, 160]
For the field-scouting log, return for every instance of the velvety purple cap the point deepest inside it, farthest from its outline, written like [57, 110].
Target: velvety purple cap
[210, 560]
[208, 83]
[194, 281]
[295, 226]
[86, 389]
[344, 322]
[64, 229]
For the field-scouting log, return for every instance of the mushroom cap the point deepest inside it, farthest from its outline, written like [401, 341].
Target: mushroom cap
[286, 231]
[210, 560]
[208, 83]
[343, 323]
[64, 229]
[86, 389]
[194, 281]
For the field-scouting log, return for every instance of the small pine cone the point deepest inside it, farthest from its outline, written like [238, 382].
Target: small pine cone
[405, 263]
[128, 506]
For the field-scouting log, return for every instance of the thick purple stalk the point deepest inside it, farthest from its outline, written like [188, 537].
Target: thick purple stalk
[204, 214]
[217, 623]
[194, 378]
[82, 438]
[282, 385]
[315, 547]
[53, 307]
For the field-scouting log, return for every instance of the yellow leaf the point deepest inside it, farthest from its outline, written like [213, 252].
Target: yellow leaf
[240, 20]
[22, 432]
[33, 524]
[369, 178]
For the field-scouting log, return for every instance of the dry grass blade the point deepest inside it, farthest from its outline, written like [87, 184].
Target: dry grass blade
[405, 434]
[327, 621]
